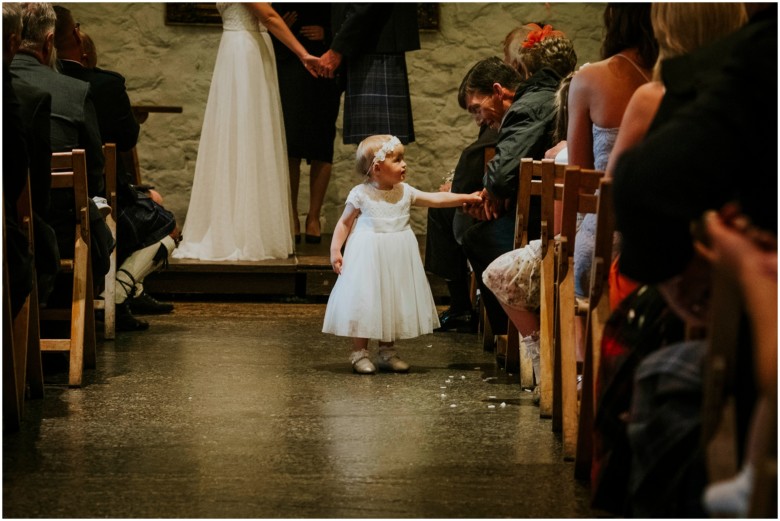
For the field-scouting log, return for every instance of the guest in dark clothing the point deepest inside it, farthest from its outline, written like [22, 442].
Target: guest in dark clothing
[524, 114]
[73, 125]
[687, 164]
[372, 39]
[711, 108]
[146, 231]
[310, 107]
[444, 255]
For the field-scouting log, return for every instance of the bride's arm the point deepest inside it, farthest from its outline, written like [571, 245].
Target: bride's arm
[276, 25]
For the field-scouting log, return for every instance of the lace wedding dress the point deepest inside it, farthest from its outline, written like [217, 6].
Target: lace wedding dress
[240, 204]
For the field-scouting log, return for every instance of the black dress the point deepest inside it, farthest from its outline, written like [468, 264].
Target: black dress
[310, 105]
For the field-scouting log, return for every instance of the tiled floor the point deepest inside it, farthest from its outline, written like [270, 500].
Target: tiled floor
[247, 410]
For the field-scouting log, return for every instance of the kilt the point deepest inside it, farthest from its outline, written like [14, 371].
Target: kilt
[141, 223]
[377, 100]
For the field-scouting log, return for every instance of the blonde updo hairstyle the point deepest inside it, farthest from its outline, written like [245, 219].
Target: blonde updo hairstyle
[545, 47]
[367, 149]
[681, 28]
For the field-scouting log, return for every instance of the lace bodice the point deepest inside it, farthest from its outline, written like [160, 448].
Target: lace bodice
[603, 142]
[383, 210]
[238, 17]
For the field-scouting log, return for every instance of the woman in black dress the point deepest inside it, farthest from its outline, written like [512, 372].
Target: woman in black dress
[310, 106]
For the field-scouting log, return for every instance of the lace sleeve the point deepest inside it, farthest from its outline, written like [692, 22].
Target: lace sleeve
[355, 197]
[412, 193]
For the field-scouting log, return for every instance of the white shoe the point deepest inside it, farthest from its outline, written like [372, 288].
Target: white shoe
[102, 206]
[730, 498]
[388, 360]
[360, 362]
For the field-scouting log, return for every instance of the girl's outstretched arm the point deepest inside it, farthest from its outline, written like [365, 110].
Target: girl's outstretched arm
[446, 199]
[340, 234]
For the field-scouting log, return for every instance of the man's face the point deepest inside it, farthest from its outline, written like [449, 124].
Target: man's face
[486, 109]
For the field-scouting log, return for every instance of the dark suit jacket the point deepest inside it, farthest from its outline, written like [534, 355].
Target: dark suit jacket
[112, 105]
[714, 140]
[35, 107]
[381, 28]
[73, 120]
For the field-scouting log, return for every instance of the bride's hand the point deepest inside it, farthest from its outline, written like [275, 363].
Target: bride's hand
[312, 64]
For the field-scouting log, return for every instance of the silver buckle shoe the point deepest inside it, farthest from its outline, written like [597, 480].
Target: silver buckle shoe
[388, 360]
[360, 363]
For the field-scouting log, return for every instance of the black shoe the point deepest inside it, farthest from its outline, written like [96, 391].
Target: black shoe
[313, 239]
[460, 321]
[125, 321]
[145, 304]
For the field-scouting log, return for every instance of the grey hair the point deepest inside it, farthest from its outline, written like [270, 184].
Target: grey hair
[38, 21]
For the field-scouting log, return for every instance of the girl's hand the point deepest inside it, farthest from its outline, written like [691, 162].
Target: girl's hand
[474, 198]
[336, 260]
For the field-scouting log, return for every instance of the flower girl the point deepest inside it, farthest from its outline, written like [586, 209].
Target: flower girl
[382, 291]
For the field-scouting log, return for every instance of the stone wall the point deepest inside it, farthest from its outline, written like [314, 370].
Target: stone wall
[172, 65]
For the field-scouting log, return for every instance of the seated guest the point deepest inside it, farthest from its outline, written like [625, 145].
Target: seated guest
[683, 167]
[89, 52]
[34, 107]
[523, 111]
[73, 125]
[444, 255]
[18, 257]
[513, 277]
[146, 232]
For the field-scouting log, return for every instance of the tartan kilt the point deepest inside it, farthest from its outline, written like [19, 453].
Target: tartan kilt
[141, 223]
[377, 100]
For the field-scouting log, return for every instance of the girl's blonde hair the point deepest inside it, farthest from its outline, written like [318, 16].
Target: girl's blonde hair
[681, 28]
[367, 149]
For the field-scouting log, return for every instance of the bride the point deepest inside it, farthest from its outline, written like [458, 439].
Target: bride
[240, 205]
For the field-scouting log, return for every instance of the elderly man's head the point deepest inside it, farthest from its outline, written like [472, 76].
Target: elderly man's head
[487, 91]
[38, 21]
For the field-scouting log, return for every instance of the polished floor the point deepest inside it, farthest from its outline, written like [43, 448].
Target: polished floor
[246, 410]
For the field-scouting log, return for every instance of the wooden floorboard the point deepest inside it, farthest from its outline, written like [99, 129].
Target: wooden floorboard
[306, 274]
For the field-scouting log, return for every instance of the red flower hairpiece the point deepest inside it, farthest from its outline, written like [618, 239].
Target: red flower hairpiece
[539, 34]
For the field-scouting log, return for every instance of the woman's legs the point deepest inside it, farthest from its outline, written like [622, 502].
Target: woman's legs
[319, 178]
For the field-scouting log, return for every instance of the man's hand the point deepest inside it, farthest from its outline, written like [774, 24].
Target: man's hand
[329, 62]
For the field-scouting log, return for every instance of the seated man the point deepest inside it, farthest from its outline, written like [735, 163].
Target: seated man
[73, 125]
[33, 131]
[444, 255]
[496, 95]
[143, 225]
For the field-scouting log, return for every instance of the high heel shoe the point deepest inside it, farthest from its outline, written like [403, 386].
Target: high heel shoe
[310, 238]
[298, 238]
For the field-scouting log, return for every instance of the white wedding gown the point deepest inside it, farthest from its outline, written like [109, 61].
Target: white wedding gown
[240, 204]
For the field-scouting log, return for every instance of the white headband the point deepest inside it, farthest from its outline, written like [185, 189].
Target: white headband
[387, 147]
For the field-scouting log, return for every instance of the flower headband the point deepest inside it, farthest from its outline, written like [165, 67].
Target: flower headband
[538, 34]
[387, 148]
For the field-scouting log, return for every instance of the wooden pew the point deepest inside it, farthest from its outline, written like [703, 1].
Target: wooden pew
[597, 314]
[69, 172]
[23, 373]
[578, 197]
